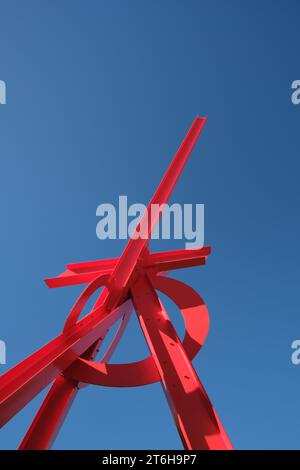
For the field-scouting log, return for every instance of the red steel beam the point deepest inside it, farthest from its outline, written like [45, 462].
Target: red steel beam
[194, 415]
[123, 270]
[51, 415]
[55, 407]
[120, 277]
[23, 382]
[177, 259]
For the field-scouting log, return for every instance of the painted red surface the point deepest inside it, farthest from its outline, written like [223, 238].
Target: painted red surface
[133, 279]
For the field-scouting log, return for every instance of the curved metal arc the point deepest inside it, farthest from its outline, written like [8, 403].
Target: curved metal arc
[196, 318]
[77, 308]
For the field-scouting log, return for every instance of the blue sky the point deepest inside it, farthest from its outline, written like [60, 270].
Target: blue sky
[99, 96]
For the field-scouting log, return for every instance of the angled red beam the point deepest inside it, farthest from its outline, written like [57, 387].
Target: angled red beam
[93, 266]
[127, 262]
[23, 382]
[81, 273]
[51, 415]
[55, 407]
[194, 415]
[177, 259]
[57, 403]
[69, 278]
[123, 268]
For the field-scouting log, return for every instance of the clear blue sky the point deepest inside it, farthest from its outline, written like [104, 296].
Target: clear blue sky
[99, 95]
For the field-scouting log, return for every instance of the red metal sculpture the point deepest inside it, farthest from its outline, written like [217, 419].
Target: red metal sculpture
[69, 360]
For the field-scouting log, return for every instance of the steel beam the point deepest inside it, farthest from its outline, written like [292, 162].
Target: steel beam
[193, 413]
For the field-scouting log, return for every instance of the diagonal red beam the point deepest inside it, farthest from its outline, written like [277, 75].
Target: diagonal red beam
[51, 415]
[81, 273]
[69, 278]
[23, 382]
[121, 269]
[127, 262]
[55, 407]
[194, 415]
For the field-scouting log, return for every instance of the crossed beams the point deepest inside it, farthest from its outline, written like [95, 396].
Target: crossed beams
[68, 360]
